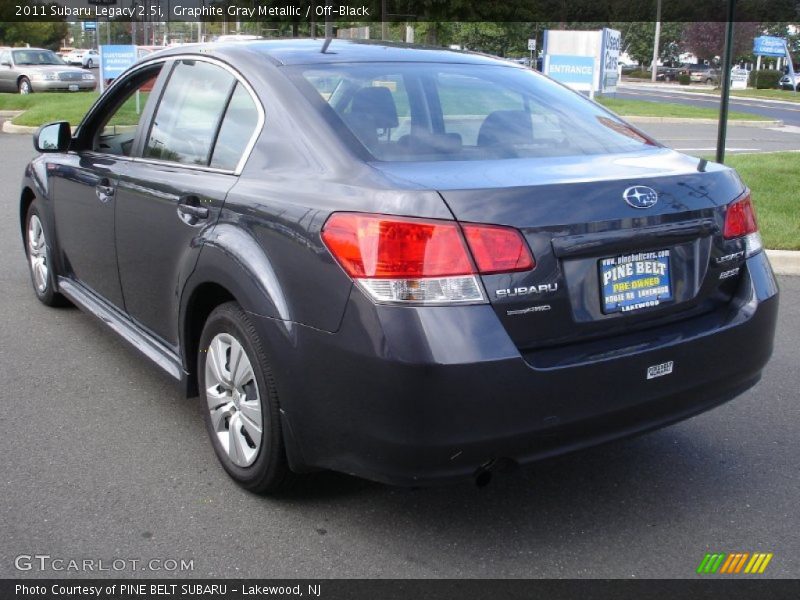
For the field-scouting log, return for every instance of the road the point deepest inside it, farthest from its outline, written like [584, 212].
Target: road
[790, 115]
[102, 459]
[701, 139]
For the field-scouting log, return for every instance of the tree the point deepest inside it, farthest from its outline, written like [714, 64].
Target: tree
[43, 34]
[706, 40]
[637, 40]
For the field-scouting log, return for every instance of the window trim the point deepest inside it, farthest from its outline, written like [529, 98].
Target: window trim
[170, 62]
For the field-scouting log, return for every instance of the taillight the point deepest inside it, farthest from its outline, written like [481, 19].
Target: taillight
[498, 249]
[740, 221]
[404, 259]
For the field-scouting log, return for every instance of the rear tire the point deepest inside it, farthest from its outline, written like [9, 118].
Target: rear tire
[241, 403]
[40, 265]
[89, 64]
[24, 86]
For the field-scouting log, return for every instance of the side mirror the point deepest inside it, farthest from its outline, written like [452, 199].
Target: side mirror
[53, 137]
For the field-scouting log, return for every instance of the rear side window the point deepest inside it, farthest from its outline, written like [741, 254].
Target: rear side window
[189, 113]
[237, 128]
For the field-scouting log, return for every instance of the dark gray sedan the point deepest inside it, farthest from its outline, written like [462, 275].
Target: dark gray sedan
[407, 264]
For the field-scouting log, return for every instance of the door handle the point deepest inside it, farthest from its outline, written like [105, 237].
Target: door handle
[104, 190]
[190, 211]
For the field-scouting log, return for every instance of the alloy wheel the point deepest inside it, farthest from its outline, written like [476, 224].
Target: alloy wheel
[234, 401]
[37, 254]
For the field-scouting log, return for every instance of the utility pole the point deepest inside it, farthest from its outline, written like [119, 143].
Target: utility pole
[725, 77]
[383, 20]
[656, 40]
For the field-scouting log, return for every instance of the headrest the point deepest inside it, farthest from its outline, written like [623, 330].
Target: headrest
[375, 105]
[506, 127]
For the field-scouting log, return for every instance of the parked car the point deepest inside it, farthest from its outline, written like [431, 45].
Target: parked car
[502, 281]
[785, 82]
[704, 74]
[90, 59]
[28, 70]
[668, 71]
[74, 56]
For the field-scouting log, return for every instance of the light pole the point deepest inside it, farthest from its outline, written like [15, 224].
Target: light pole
[656, 40]
[725, 77]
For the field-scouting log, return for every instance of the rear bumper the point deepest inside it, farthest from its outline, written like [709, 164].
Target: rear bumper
[414, 396]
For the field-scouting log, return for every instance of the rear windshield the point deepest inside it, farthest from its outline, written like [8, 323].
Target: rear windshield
[430, 112]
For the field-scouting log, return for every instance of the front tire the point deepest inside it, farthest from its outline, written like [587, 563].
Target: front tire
[25, 86]
[89, 63]
[242, 410]
[40, 264]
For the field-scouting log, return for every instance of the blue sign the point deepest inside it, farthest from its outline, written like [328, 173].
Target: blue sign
[767, 45]
[115, 59]
[90, 25]
[574, 71]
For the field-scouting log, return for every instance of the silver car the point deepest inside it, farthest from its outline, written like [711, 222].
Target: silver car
[28, 70]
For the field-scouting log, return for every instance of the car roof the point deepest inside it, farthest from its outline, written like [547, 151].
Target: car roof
[309, 52]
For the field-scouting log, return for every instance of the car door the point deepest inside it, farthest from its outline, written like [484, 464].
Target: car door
[175, 189]
[85, 183]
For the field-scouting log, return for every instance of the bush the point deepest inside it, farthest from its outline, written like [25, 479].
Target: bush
[638, 74]
[765, 79]
[683, 79]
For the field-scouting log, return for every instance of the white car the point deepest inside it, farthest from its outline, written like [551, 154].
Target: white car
[74, 58]
[85, 58]
[90, 59]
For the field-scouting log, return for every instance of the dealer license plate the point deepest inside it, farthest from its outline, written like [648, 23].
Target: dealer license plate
[635, 281]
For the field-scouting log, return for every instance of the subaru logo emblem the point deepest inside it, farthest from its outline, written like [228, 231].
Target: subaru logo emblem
[640, 196]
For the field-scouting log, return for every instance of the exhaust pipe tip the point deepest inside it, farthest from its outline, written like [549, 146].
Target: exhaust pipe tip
[483, 478]
[483, 474]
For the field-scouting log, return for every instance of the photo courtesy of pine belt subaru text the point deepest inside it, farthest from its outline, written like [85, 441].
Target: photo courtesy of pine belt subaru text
[406, 264]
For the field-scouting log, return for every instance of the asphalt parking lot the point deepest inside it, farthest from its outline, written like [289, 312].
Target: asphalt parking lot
[701, 139]
[102, 459]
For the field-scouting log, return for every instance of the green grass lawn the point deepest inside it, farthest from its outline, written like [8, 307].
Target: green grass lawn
[53, 106]
[64, 106]
[773, 180]
[643, 108]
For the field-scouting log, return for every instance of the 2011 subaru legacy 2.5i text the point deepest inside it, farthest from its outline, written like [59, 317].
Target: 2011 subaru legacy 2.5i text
[402, 263]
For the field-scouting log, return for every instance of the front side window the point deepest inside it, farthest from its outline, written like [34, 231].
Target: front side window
[435, 112]
[188, 116]
[117, 131]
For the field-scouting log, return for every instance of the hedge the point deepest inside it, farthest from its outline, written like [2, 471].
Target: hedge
[765, 79]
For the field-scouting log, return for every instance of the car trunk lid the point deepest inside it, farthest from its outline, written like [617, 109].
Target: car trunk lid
[603, 266]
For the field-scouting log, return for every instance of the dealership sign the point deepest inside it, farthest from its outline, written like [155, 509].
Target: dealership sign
[576, 72]
[115, 59]
[768, 45]
[612, 41]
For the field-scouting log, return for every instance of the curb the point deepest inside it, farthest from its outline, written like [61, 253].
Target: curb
[785, 262]
[9, 127]
[10, 114]
[684, 120]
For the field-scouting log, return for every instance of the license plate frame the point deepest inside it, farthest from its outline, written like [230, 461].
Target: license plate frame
[635, 281]
[73, 87]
